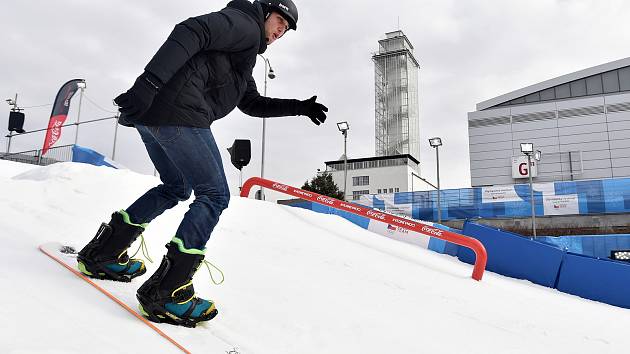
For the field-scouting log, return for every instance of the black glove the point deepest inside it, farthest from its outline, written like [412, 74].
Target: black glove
[312, 109]
[137, 100]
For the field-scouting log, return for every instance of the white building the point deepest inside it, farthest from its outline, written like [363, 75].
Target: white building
[376, 175]
[579, 121]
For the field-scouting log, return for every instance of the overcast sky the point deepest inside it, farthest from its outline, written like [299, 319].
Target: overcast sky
[469, 51]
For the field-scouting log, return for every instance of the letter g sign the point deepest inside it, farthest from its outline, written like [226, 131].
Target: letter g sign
[522, 169]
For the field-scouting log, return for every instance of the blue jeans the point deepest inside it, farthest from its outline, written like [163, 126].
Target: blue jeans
[188, 160]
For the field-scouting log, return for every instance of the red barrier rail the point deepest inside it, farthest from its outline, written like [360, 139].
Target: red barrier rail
[477, 247]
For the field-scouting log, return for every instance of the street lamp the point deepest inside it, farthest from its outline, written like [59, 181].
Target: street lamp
[343, 128]
[269, 73]
[436, 143]
[16, 120]
[528, 149]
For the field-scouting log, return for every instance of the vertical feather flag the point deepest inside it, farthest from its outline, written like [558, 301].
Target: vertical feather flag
[60, 113]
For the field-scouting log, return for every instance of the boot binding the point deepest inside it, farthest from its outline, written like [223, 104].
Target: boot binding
[158, 314]
[91, 265]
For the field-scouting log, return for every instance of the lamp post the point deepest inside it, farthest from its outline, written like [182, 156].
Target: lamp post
[528, 149]
[14, 108]
[269, 73]
[436, 143]
[343, 128]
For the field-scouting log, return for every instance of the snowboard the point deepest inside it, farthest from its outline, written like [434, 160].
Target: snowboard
[67, 257]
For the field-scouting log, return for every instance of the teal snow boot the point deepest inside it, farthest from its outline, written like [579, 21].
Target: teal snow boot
[169, 296]
[105, 257]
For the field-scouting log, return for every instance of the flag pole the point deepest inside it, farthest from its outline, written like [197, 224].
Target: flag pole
[82, 86]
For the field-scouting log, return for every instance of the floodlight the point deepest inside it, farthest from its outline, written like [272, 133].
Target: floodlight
[527, 148]
[620, 255]
[537, 155]
[435, 142]
[343, 126]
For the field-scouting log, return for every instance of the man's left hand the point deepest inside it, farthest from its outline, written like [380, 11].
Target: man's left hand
[314, 110]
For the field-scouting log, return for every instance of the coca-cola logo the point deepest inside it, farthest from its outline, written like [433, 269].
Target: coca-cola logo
[376, 215]
[325, 200]
[280, 186]
[432, 231]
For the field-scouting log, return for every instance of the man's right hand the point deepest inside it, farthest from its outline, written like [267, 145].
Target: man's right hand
[137, 100]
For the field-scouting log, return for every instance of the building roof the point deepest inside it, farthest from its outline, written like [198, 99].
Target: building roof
[553, 82]
[375, 158]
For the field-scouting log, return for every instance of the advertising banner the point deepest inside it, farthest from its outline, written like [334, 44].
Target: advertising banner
[499, 194]
[561, 204]
[399, 233]
[393, 208]
[60, 113]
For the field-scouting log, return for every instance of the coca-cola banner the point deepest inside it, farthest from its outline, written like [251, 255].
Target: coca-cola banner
[60, 113]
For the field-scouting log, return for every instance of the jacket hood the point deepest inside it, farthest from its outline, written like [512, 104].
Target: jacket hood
[254, 10]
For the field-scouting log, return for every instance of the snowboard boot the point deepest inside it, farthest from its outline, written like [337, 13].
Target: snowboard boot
[169, 296]
[105, 257]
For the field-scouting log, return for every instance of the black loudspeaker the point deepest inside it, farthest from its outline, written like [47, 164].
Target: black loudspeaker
[240, 153]
[16, 122]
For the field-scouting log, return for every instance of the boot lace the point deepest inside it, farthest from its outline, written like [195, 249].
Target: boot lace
[208, 265]
[143, 247]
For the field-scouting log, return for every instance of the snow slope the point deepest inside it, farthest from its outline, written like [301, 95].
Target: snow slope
[296, 282]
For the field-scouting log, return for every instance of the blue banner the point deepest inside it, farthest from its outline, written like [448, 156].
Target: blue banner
[556, 198]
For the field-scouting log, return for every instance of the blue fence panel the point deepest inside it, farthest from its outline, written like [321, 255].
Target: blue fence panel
[590, 245]
[595, 279]
[569, 244]
[514, 256]
[84, 155]
[445, 247]
[323, 209]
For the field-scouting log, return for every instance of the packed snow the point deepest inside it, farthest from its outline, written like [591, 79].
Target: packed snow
[295, 282]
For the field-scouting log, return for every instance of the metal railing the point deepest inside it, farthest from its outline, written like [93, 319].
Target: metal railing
[465, 241]
[55, 154]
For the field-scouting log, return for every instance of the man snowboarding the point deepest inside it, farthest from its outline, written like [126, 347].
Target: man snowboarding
[200, 74]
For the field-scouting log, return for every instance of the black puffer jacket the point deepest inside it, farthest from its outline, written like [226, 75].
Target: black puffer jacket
[206, 66]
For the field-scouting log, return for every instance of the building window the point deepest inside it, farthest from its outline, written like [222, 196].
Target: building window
[379, 191]
[624, 79]
[391, 190]
[578, 88]
[356, 195]
[361, 181]
[594, 85]
[563, 91]
[534, 97]
[611, 81]
[547, 94]
[398, 189]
